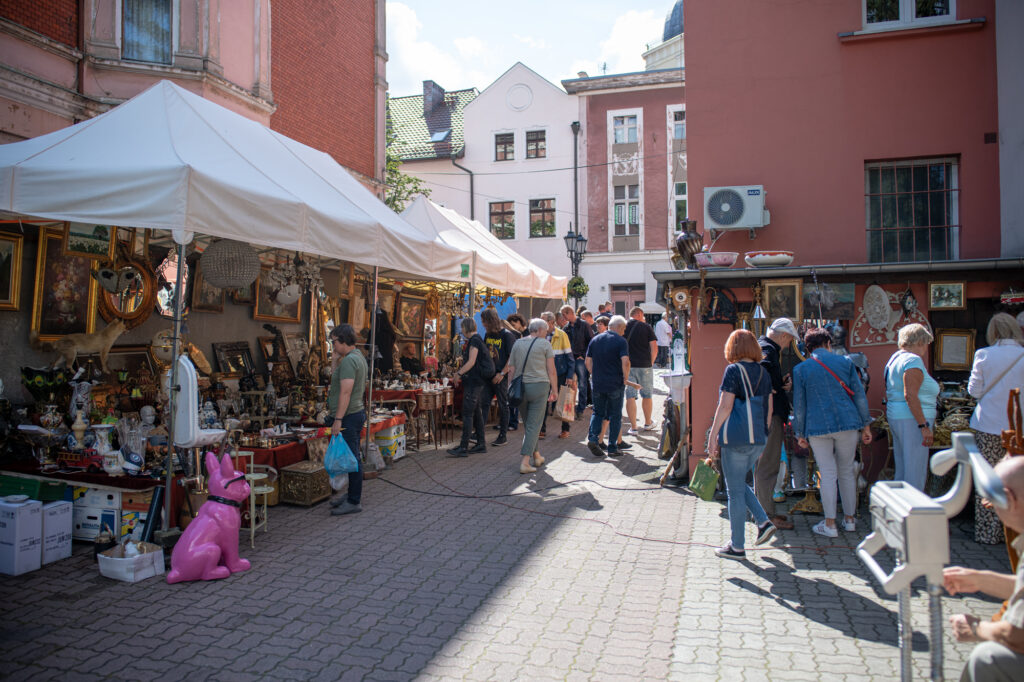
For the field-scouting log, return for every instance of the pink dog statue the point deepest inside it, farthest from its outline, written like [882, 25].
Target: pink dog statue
[208, 549]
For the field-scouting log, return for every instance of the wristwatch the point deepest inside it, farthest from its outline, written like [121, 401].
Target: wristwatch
[923, 426]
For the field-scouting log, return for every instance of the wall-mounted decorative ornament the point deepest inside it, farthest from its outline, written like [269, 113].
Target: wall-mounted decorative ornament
[881, 315]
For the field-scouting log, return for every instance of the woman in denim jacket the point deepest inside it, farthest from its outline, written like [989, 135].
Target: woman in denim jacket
[831, 421]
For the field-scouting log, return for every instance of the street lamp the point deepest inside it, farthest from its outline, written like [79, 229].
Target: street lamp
[575, 248]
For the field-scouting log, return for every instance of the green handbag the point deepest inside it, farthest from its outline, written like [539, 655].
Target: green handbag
[704, 481]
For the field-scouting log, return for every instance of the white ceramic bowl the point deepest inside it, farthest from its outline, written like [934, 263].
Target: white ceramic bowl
[768, 259]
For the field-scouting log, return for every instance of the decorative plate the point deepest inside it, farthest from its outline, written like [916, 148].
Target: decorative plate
[876, 307]
[768, 259]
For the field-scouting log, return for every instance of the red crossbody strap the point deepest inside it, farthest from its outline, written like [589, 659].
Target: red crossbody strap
[846, 388]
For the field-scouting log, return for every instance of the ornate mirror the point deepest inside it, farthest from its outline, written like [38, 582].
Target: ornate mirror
[166, 279]
[127, 291]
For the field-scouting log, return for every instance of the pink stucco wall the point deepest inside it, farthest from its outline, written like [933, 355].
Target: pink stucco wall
[774, 97]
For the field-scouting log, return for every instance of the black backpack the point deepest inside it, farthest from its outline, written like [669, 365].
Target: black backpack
[486, 363]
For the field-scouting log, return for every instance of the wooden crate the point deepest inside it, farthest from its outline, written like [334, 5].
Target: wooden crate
[305, 483]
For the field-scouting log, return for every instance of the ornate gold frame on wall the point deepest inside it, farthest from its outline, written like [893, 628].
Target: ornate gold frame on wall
[43, 254]
[13, 302]
[111, 245]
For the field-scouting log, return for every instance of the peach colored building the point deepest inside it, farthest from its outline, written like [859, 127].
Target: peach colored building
[875, 135]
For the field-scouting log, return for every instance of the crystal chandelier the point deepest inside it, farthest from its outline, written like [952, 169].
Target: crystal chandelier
[292, 278]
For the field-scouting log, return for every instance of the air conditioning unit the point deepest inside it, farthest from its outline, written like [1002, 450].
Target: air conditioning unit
[740, 207]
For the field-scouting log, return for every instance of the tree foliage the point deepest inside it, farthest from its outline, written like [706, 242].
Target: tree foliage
[401, 187]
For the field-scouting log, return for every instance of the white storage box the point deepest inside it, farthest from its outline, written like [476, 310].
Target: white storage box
[96, 498]
[87, 522]
[391, 441]
[57, 519]
[114, 564]
[21, 536]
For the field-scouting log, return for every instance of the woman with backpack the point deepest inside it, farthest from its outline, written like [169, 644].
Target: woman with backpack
[743, 415]
[477, 368]
[830, 416]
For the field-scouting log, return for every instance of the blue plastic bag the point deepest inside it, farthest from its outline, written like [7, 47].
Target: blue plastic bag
[339, 460]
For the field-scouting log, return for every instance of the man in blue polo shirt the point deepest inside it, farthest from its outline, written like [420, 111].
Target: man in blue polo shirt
[608, 363]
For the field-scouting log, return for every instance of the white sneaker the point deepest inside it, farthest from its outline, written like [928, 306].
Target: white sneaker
[648, 427]
[850, 526]
[821, 528]
[632, 432]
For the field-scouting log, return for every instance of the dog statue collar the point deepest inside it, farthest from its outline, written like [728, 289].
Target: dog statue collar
[223, 500]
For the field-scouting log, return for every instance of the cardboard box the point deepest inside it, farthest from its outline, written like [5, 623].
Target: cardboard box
[114, 564]
[57, 517]
[136, 500]
[87, 522]
[132, 523]
[21, 536]
[96, 498]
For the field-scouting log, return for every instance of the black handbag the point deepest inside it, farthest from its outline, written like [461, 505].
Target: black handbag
[515, 388]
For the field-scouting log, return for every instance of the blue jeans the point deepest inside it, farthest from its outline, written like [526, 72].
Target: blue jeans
[352, 425]
[911, 457]
[736, 463]
[582, 385]
[607, 406]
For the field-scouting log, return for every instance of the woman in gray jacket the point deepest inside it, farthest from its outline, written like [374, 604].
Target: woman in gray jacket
[534, 359]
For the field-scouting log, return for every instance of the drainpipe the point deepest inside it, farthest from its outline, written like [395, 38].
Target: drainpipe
[472, 199]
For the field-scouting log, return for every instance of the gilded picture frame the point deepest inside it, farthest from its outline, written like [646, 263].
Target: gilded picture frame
[954, 349]
[270, 311]
[783, 298]
[410, 314]
[233, 359]
[206, 298]
[88, 240]
[65, 291]
[11, 251]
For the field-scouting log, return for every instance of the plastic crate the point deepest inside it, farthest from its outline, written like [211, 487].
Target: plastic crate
[44, 491]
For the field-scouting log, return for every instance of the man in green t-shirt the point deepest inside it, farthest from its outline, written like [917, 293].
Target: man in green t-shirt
[345, 409]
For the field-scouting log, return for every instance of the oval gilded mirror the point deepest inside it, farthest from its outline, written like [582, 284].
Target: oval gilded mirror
[166, 277]
[127, 290]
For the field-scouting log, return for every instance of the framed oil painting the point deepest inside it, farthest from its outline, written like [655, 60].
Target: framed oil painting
[243, 295]
[65, 293]
[947, 295]
[783, 298]
[206, 297]
[89, 240]
[10, 270]
[283, 370]
[233, 359]
[409, 316]
[833, 300]
[271, 310]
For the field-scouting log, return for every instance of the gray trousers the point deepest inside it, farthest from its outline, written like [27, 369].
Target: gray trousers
[535, 402]
[767, 470]
[991, 662]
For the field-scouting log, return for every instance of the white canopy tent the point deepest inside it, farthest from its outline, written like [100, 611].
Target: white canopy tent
[170, 159]
[495, 264]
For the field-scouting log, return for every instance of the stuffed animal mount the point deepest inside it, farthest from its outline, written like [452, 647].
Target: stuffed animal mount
[208, 549]
[71, 346]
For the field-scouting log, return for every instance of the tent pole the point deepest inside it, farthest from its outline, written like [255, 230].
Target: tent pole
[172, 387]
[373, 357]
[472, 289]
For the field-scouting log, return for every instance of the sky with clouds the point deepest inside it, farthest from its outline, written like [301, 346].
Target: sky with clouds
[460, 44]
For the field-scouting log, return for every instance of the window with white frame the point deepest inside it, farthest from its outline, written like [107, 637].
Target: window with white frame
[680, 198]
[542, 217]
[627, 210]
[146, 30]
[536, 144]
[882, 14]
[624, 128]
[679, 124]
[912, 210]
[503, 219]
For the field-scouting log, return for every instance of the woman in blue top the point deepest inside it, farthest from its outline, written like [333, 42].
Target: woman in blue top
[910, 396]
[743, 378]
[830, 421]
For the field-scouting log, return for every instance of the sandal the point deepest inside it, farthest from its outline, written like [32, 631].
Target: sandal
[537, 460]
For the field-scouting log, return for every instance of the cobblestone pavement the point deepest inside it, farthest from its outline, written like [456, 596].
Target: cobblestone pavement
[604, 577]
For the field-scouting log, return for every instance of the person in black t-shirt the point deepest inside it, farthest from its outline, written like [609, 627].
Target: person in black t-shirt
[643, 348]
[580, 336]
[472, 387]
[499, 343]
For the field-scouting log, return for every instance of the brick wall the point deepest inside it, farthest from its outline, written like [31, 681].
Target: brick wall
[56, 19]
[322, 77]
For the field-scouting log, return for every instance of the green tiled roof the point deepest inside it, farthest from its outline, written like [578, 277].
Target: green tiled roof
[413, 130]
